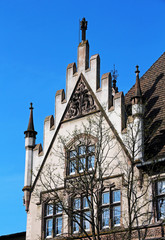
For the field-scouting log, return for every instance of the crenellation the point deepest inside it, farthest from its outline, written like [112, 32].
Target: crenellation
[48, 131]
[60, 105]
[92, 74]
[62, 94]
[71, 79]
[95, 69]
[73, 67]
[104, 93]
[106, 83]
[39, 148]
[83, 56]
[117, 112]
[38, 151]
[38, 155]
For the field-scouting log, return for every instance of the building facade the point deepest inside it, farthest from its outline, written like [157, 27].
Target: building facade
[100, 172]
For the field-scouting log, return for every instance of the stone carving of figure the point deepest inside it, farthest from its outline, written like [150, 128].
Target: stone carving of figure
[81, 102]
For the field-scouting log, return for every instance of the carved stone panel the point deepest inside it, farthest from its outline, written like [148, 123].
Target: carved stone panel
[81, 102]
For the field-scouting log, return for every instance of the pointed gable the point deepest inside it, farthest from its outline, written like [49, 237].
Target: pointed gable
[81, 102]
[153, 91]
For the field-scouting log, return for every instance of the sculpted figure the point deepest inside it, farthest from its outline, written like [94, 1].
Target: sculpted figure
[82, 102]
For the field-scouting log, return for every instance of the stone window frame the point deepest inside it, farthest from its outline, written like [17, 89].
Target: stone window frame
[86, 140]
[81, 211]
[53, 216]
[158, 197]
[110, 206]
[81, 160]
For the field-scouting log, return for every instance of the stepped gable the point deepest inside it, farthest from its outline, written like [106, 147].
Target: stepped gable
[153, 90]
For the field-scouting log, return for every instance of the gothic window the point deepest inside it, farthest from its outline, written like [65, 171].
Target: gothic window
[81, 159]
[53, 220]
[160, 199]
[111, 209]
[81, 214]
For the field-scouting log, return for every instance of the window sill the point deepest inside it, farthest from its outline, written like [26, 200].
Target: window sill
[75, 175]
[106, 230]
[105, 227]
[82, 235]
[59, 237]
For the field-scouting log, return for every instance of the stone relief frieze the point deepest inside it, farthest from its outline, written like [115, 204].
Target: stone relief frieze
[81, 103]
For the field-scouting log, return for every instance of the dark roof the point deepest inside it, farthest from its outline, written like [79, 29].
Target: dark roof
[153, 90]
[15, 236]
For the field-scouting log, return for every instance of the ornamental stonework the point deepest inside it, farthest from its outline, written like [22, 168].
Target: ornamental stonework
[81, 102]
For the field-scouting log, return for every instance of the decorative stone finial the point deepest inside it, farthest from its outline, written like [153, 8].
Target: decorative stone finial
[137, 69]
[83, 25]
[114, 78]
[30, 130]
[31, 106]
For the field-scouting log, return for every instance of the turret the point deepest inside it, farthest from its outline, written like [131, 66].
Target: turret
[137, 113]
[30, 136]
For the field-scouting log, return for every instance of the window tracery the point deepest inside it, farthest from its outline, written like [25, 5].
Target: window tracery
[81, 159]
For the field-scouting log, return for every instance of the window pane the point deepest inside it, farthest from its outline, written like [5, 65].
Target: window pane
[76, 204]
[91, 149]
[91, 162]
[49, 210]
[161, 187]
[81, 164]
[58, 225]
[76, 220]
[49, 225]
[72, 167]
[82, 150]
[161, 208]
[105, 198]
[85, 202]
[116, 215]
[73, 154]
[116, 196]
[105, 217]
[58, 208]
[86, 219]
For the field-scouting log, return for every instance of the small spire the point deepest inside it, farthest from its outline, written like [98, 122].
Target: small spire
[138, 93]
[30, 128]
[31, 124]
[83, 25]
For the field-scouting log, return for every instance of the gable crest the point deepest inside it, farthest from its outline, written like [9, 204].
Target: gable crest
[81, 102]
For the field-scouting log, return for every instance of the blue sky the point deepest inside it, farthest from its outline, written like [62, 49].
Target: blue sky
[38, 39]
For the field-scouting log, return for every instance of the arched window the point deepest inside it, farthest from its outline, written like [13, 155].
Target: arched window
[81, 155]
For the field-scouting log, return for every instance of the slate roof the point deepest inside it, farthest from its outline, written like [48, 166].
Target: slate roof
[153, 90]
